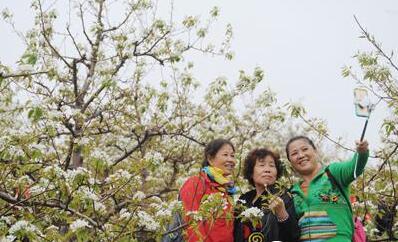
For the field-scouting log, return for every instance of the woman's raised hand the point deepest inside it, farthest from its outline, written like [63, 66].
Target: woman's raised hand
[362, 146]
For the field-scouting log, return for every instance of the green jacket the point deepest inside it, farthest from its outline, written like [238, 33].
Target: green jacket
[324, 213]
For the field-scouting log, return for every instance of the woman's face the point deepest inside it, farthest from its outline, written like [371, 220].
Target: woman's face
[224, 159]
[265, 172]
[303, 157]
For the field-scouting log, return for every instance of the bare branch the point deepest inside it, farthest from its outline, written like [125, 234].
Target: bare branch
[83, 25]
[82, 57]
[22, 74]
[43, 32]
[373, 42]
[124, 21]
[146, 137]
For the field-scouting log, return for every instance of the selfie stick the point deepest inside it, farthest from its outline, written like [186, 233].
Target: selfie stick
[364, 129]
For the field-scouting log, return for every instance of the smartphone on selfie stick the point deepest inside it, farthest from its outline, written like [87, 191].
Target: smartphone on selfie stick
[363, 106]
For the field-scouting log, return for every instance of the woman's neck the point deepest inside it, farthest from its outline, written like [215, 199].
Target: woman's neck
[308, 177]
[259, 190]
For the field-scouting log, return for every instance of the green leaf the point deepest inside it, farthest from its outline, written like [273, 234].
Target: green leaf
[30, 58]
[389, 127]
[35, 114]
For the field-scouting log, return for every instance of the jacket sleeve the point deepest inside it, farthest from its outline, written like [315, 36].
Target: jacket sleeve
[191, 194]
[238, 230]
[347, 171]
[238, 226]
[289, 230]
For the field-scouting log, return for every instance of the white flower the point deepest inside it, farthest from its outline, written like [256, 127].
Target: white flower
[100, 153]
[119, 174]
[252, 212]
[52, 227]
[139, 196]
[195, 215]
[68, 111]
[155, 157]
[72, 174]
[23, 225]
[26, 179]
[241, 201]
[25, 68]
[87, 193]
[163, 213]
[98, 206]
[78, 224]
[7, 219]
[145, 220]
[124, 214]
[37, 189]
[84, 141]
[55, 169]
[93, 181]
[9, 238]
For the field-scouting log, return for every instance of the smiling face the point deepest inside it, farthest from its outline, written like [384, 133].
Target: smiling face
[224, 159]
[303, 157]
[264, 171]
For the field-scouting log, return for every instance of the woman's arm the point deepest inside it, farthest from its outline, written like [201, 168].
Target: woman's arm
[347, 171]
[288, 229]
[191, 193]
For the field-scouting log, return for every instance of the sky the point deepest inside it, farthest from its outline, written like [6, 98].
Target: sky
[301, 46]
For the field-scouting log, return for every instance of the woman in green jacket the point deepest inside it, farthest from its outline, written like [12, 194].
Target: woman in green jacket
[320, 198]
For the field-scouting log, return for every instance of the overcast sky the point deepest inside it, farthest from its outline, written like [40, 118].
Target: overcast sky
[301, 45]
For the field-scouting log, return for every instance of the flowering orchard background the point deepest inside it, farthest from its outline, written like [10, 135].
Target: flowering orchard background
[102, 121]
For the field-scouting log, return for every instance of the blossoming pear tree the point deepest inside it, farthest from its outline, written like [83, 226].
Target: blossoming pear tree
[102, 119]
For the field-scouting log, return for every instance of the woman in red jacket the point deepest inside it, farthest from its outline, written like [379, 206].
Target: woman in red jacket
[210, 193]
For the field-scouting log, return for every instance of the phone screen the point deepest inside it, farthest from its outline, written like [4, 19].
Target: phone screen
[361, 101]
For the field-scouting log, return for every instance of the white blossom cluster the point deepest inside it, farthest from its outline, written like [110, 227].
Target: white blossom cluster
[54, 169]
[102, 154]
[195, 215]
[166, 209]
[139, 195]
[25, 179]
[7, 219]
[147, 221]
[70, 175]
[25, 226]
[119, 174]
[78, 224]
[124, 213]
[215, 198]
[87, 193]
[69, 111]
[252, 212]
[156, 158]
[83, 141]
[52, 227]
[9, 238]
[240, 201]
[41, 186]
[165, 170]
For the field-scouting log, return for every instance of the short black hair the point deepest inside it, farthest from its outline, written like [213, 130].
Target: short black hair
[308, 140]
[213, 147]
[257, 154]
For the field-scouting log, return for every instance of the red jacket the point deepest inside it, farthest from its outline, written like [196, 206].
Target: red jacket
[191, 194]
